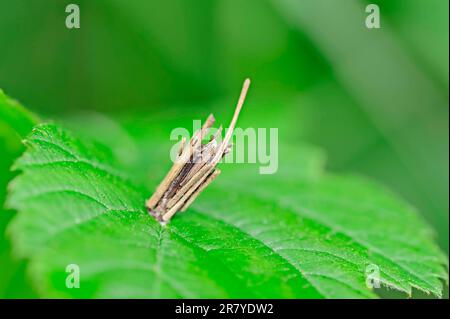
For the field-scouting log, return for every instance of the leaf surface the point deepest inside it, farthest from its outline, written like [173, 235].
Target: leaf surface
[296, 234]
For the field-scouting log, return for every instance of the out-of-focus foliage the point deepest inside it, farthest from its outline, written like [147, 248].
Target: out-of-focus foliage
[15, 124]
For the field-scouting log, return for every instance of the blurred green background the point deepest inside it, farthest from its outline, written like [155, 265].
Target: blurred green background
[375, 99]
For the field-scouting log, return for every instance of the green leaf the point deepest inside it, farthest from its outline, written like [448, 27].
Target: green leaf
[300, 233]
[15, 123]
[14, 116]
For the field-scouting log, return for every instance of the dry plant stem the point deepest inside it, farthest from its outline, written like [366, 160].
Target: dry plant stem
[194, 168]
[208, 181]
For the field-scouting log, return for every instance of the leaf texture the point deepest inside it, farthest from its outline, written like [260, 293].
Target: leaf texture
[296, 234]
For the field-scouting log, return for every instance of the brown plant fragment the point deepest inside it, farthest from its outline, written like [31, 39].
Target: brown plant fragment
[194, 168]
